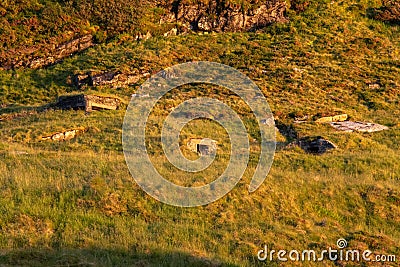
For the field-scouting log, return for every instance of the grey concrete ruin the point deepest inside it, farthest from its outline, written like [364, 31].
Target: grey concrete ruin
[202, 146]
[88, 102]
[358, 126]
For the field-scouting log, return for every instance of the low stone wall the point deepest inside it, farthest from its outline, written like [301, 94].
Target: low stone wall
[64, 50]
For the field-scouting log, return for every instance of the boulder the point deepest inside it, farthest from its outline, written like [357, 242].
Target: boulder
[389, 12]
[68, 135]
[57, 137]
[64, 136]
[103, 78]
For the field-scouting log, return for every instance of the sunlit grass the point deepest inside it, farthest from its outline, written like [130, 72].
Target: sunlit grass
[75, 203]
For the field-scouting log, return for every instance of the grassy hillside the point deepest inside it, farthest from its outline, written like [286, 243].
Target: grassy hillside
[74, 203]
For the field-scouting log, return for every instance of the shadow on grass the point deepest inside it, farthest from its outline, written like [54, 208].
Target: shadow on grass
[27, 87]
[18, 111]
[102, 257]
[14, 109]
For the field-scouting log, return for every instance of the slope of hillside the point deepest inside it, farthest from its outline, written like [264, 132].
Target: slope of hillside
[75, 203]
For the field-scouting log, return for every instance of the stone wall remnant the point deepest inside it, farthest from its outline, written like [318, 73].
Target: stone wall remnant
[88, 102]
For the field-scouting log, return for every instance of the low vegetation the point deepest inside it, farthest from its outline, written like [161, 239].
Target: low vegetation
[75, 203]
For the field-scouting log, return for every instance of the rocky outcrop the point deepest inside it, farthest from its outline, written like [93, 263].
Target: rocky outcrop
[299, 5]
[52, 57]
[223, 16]
[64, 136]
[389, 12]
[111, 78]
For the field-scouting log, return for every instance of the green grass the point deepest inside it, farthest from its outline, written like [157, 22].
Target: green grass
[74, 203]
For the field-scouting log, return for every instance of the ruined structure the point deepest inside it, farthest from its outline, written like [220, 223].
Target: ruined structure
[358, 126]
[87, 102]
[202, 146]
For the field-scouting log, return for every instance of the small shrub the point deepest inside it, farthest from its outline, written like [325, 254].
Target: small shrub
[299, 5]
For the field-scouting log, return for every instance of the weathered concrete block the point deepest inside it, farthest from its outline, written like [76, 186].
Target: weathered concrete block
[94, 102]
[88, 102]
[351, 126]
[202, 146]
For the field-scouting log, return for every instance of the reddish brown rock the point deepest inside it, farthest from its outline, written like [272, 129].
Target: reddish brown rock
[223, 16]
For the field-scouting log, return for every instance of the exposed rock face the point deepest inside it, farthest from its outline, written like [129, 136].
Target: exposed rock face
[103, 78]
[224, 15]
[389, 12]
[87, 102]
[352, 126]
[315, 145]
[299, 5]
[113, 78]
[60, 52]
